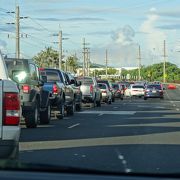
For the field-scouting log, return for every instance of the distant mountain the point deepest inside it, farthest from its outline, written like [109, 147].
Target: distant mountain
[92, 65]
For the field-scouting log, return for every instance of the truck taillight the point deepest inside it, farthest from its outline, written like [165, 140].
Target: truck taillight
[26, 88]
[91, 88]
[11, 106]
[104, 91]
[55, 89]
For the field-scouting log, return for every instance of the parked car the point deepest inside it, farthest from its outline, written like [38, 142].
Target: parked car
[10, 115]
[106, 94]
[135, 90]
[35, 101]
[118, 90]
[77, 91]
[153, 91]
[62, 94]
[110, 88]
[90, 90]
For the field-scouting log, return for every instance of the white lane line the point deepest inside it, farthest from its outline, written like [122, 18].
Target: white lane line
[109, 112]
[100, 114]
[174, 105]
[115, 107]
[73, 125]
[177, 109]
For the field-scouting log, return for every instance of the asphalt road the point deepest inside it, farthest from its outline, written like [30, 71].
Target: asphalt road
[132, 135]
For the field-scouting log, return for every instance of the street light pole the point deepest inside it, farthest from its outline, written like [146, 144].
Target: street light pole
[164, 63]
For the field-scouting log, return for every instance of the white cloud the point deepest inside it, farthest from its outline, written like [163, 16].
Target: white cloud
[3, 44]
[154, 37]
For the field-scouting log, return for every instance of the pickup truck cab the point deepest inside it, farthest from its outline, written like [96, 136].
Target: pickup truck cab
[10, 114]
[34, 100]
[62, 94]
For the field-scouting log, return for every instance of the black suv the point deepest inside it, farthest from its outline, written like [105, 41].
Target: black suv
[34, 100]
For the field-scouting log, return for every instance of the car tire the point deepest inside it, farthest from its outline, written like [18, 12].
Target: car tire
[61, 110]
[98, 103]
[109, 102]
[45, 116]
[32, 117]
[161, 97]
[145, 98]
[71, 109]
[113, 99]
[79, 106]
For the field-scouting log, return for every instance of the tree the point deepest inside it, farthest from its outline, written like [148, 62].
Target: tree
[47, 58]
[72, 64]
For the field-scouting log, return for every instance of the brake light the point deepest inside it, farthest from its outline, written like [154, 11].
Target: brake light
[91, 88]
[26, 88]
[41, 69]
[55, 89]
[11, 109]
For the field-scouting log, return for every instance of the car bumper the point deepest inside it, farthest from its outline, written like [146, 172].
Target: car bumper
[8, 148]
[87, 98]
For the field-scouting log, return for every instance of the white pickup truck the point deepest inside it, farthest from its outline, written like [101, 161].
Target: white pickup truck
[9, 115]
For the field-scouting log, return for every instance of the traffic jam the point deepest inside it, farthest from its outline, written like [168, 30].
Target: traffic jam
[40, 94]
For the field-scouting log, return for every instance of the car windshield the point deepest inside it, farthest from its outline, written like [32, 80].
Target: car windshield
[91, 85]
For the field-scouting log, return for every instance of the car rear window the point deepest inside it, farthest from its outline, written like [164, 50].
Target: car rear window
[102, 86]
[154, 87]
[85, 81]
[52, 76]
[115, 86]
[138, 87]
[105, 82]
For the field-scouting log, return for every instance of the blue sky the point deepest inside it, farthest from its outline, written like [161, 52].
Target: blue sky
[117, 25]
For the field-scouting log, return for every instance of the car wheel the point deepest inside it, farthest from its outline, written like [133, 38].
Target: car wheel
[79, 106]
[71, 109]
[61, 111]
[31, 118]
[110, 102]
[145, 98]
[45, 116]
[98, 103]
[161, 97]
[113, 99]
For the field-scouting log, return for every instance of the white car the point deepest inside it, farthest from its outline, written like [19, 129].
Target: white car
[135, 90]
[10, 114]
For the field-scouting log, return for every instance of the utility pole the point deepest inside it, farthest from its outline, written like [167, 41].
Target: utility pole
[139, 63]
[85, 58]
[60, 50]
[106, 62]
[17, 33]
[164, 63]
[88, 61]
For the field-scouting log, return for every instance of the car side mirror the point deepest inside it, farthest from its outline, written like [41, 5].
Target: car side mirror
[72, 81]
[41, 83]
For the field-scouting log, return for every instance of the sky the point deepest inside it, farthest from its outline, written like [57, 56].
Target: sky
[120, 26]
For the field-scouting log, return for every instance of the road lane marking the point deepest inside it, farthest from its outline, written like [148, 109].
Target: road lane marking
[156, 138]
[177, 109]
[109, 112]
[172, 124]
[70, 127]
[100, 114]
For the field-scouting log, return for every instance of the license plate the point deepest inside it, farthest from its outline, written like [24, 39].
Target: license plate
[154, 91]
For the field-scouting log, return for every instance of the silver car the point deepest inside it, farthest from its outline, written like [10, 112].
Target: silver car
[106, 93]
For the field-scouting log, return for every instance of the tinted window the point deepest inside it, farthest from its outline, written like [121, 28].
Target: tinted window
[85, 81]
[106, 82]
[115, 86]
[102, 86]
[52, 76]
[139, 87]
[154, 87]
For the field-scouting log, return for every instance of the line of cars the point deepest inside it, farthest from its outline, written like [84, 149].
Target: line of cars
[145, 89]
[47, 91]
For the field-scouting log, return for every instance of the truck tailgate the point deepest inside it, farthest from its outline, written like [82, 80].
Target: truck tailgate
[48, 87]
[85, 89]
